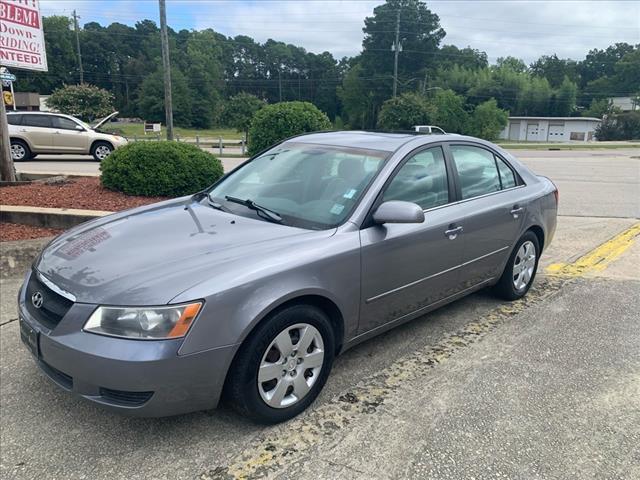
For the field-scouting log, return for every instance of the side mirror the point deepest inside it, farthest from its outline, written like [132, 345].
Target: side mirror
[396, 211]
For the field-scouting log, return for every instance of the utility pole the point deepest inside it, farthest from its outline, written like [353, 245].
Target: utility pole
[396, 48]
[168, 106]
[7, 170]
[280, 84]
[75, 26]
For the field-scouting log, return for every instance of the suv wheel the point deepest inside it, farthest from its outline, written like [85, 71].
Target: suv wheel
[19, 151]
[101, 150]
[282, 367]
[521, 268]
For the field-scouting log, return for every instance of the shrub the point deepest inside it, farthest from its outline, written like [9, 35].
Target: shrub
[85, 101]
[619, 126]
[168, 169]
[276, 122]
[487, 120]
[403, 112]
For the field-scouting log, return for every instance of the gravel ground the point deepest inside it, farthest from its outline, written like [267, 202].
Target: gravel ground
[14, 231]
[83, 193]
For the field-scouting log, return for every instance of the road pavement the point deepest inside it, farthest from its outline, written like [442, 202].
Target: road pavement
[548, 387]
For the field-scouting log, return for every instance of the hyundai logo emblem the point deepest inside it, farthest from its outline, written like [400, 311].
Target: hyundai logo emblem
[37, 300]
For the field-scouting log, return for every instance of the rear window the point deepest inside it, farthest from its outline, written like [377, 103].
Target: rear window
[14, 119]
[36, 121]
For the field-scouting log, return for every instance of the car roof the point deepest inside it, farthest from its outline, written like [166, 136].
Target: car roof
[383, 141]
[358, 139]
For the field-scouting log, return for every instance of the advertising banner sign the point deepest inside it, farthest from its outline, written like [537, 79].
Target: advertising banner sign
[21, 36]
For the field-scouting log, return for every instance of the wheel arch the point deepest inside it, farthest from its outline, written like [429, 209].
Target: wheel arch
[99, 140]
[21, 139]
[322, 302]
[539, 233]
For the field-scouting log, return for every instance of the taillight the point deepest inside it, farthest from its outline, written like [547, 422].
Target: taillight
[556, 193]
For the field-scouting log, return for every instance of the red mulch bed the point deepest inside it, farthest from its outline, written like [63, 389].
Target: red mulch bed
[14, 231]
[83, 193]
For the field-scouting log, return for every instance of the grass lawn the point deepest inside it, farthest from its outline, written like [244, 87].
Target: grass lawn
[565, 146]
[137, 129]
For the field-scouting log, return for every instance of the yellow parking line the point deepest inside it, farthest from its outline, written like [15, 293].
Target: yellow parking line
[599, 258]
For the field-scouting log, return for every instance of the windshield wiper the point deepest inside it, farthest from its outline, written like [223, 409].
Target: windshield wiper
[216, 205]
[262, 212]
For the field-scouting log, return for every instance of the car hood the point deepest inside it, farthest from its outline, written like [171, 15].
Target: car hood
[149, 255]
[104, 120]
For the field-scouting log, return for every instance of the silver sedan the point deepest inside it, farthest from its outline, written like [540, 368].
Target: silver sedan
[250, 288]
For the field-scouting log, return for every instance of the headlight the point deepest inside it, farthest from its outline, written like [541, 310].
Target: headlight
[145, 323]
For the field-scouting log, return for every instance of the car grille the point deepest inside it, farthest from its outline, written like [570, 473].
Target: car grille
[54, 306]
[128, 399]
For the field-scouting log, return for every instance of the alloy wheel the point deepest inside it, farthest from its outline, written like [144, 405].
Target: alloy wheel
[102, 152]
[524, 265]
[291, 365]
[18, 152]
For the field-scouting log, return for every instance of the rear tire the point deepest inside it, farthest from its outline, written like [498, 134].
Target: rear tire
[101, 150]
[521, 268]
[20, 151]
[270, 380]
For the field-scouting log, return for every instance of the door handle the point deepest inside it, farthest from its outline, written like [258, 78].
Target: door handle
[517, 209]
[452, 233]
[57, 132]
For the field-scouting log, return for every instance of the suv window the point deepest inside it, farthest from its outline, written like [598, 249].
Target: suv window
[63, 123]
[36, 121]
[422, 180]
[477, 170]
[14, 119]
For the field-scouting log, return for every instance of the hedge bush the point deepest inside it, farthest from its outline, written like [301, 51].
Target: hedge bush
[169, 169]
[278, 121]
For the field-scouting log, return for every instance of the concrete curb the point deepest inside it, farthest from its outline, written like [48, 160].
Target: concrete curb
[48, 217]
[42, 175]
[16, 257]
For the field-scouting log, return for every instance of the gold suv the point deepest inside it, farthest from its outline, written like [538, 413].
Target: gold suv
[33, 133]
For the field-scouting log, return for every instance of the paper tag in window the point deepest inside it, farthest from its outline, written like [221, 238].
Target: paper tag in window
[350, 193]
[337, 209]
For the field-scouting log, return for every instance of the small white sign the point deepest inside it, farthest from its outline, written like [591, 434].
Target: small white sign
[21, 37]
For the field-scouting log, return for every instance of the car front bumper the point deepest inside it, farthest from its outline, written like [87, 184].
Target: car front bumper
[135, 377]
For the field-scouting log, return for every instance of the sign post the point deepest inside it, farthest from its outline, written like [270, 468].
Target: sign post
[21, 46]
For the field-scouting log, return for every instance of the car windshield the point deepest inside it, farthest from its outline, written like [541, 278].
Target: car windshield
[309, 186]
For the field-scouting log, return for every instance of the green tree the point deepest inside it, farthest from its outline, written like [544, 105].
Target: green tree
[449, 112]
[239, 111]
[85, 101]
[278, 121]
[357, 100]
[512, 63]
[619, 126]
[555, 69]
[487, 120]
[599, 108]
[151, 98]
[404, 111]
[564, 99]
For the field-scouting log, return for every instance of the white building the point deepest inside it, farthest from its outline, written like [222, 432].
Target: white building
[626, 104]
[550, 129]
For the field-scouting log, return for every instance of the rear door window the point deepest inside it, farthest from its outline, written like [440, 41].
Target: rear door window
[477, 171]
[507, 177]
[14, 119]
[36, 121]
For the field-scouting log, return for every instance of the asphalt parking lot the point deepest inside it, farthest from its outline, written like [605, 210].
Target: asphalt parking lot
[548, 387]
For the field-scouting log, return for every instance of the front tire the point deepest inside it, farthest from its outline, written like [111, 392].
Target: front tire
[282, 367]
[20, 151]
[101, 150]
[518, 275]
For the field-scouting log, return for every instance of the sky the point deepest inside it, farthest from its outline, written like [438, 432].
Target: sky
[524, 29]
